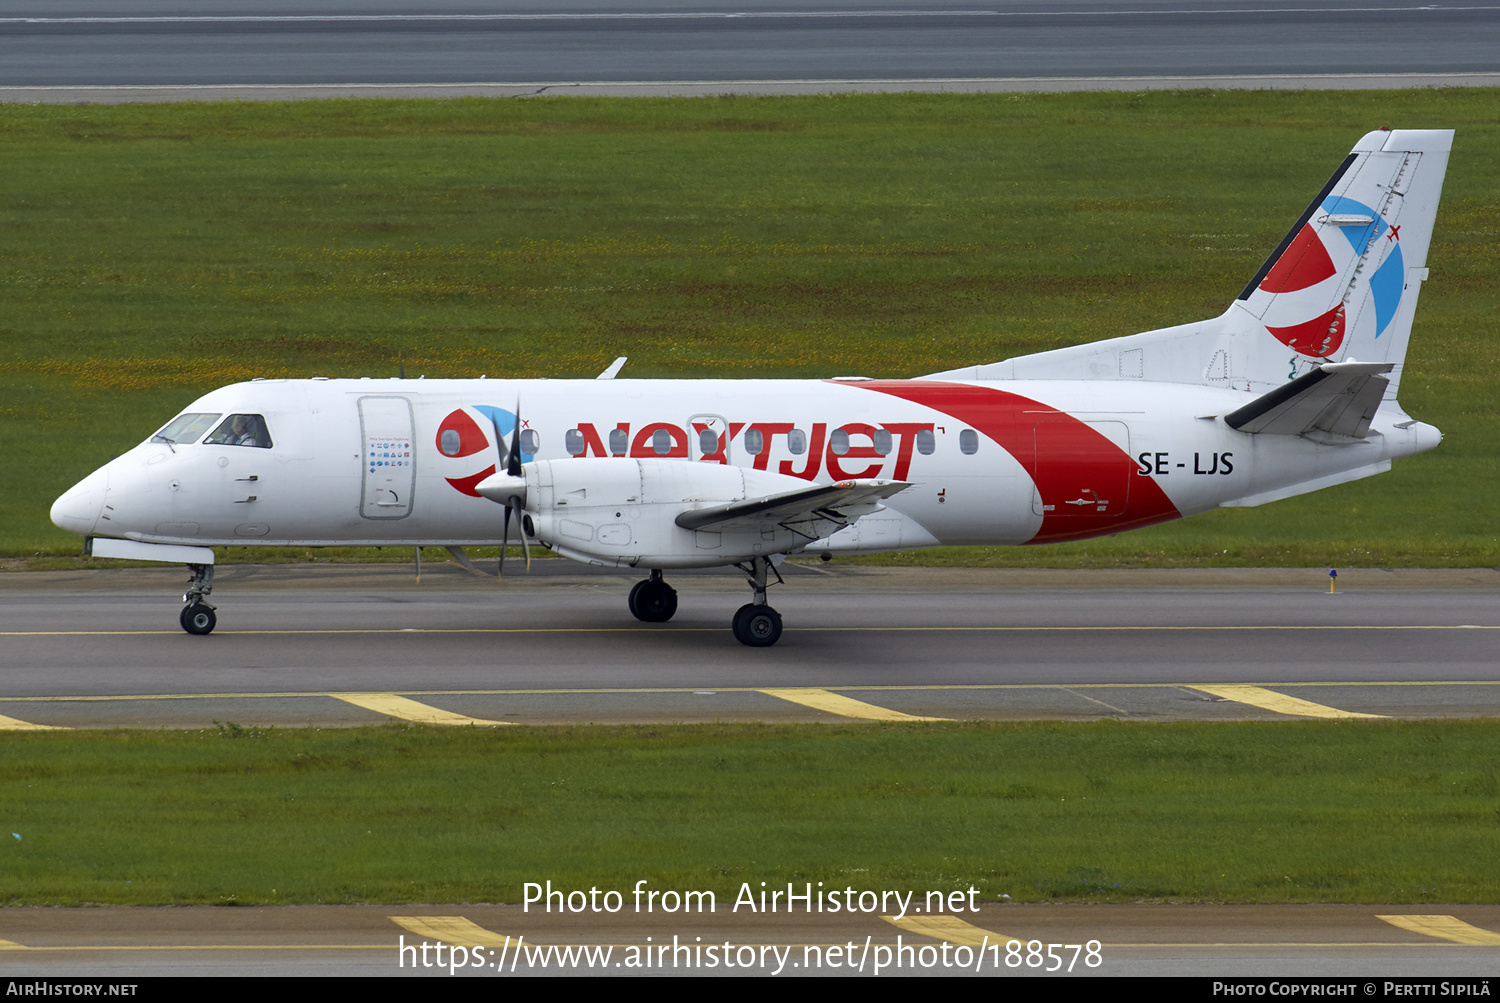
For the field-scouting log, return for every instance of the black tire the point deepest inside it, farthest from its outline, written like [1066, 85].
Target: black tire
[653, 601]
[757, 626]
[198, 619]
[635, 596]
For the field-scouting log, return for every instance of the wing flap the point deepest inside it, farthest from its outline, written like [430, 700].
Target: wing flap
[830, 502]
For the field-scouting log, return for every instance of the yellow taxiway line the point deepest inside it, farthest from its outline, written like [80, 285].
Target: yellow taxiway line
[454, 930]
[10, 945]
[950, 928]
[395, 706]
[15, 724]
[871, 688]
[1446, 927]
[1257, 696]
[832, 703]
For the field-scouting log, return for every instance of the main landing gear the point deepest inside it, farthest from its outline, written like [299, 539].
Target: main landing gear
[653, 600]
[197, 615]
[756, 624]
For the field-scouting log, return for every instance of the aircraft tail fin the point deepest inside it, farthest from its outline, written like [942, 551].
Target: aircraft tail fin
[1341, 286]
[1344, 282]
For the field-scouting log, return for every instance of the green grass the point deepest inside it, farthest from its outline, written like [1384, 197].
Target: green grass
[1288, 812]
[149, 253]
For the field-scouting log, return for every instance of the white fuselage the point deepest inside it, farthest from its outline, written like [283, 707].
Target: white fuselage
[366, 462]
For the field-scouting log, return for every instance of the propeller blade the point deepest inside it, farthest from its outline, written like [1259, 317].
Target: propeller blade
[513, 466]
[504, 544]
[515, 471]
[509, 464]
[500, 457]
[521, 525]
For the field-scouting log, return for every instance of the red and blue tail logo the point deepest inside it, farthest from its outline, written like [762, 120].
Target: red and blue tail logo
[1320, 278]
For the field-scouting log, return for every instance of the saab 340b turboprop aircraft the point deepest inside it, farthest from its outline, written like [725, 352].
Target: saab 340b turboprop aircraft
[1292, 389]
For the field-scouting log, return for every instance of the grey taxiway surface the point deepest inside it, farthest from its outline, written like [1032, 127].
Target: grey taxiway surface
[299, 645]
[1363, 943]
[81, 43]
[342, 645]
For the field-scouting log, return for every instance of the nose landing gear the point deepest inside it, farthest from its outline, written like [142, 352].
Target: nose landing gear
[198, 616]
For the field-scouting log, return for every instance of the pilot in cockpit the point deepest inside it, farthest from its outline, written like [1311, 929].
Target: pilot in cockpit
[241, 430]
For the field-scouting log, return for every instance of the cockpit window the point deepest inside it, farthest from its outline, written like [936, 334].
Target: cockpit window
[241, 430]
[185, 428]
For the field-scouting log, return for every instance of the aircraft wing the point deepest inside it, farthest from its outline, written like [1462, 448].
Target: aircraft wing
[809, 511]
[1335, 402]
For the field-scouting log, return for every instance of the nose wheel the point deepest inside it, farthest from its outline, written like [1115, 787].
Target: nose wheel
[198, 616]
[652, 600]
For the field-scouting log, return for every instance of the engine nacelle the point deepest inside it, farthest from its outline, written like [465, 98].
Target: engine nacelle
[619, 511]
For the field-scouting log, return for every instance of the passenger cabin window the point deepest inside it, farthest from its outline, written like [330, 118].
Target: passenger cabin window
[796, 442]
[838, 442]
[882, 439]
[708, 442]
[619, 441]
[661, 442]
[531, 441]
[755, 441]
[968, 441]
[241, 430]
[573, 442]
[449, 442]
[185, 428]
[926, 442]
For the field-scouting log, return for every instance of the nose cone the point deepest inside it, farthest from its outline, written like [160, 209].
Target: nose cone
[77, 511]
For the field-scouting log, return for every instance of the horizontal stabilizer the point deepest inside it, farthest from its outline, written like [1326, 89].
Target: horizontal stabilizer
[826, 501]
[1337, 399]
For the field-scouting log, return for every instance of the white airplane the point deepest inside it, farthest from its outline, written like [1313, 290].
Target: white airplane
[1291, 389]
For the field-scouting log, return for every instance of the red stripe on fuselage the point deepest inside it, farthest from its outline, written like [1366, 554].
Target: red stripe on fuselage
[468, 484]
[1077, 455]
